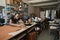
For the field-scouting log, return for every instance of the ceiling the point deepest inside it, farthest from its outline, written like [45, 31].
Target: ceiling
[36, 1]
[41, 2]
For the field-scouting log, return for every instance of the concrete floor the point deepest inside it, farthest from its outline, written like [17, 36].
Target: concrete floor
[45, 36]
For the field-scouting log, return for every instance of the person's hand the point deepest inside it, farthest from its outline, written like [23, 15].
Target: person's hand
[18, 25]
[22, 25]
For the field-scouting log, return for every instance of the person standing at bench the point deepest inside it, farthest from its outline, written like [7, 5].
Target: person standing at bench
[14, 20]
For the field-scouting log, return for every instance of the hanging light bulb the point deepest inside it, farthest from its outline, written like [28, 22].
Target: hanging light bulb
[20, 6]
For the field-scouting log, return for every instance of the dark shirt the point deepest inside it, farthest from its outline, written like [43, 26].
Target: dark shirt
[24, 18]
[14, 20]
[2, 20]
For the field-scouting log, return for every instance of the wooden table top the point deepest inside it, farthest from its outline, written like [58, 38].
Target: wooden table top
[6, 29]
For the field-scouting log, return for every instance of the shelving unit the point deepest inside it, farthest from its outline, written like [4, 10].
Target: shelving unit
[16, 5]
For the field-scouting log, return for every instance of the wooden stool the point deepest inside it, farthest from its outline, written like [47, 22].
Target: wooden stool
[32, 36]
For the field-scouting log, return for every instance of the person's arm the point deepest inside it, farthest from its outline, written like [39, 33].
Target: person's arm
[21, 21]
[29, 20]
[10, 22]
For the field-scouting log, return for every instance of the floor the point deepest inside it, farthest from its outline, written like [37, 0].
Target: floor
[45, 36]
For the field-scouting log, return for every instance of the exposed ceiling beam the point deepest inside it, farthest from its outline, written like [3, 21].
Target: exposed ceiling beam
[45, 4]
[39, 1]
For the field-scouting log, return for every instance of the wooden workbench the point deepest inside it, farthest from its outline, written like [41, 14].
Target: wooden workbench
[8, 32]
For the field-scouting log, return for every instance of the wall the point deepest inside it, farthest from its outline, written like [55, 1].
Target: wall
[37, 11]
[30, 10]
[53, 14]
[2, 2]
[42, 14]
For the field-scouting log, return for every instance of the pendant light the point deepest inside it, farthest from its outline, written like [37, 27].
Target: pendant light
[21, 6]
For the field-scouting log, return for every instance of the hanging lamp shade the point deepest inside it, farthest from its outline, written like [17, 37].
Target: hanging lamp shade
[21, 6]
